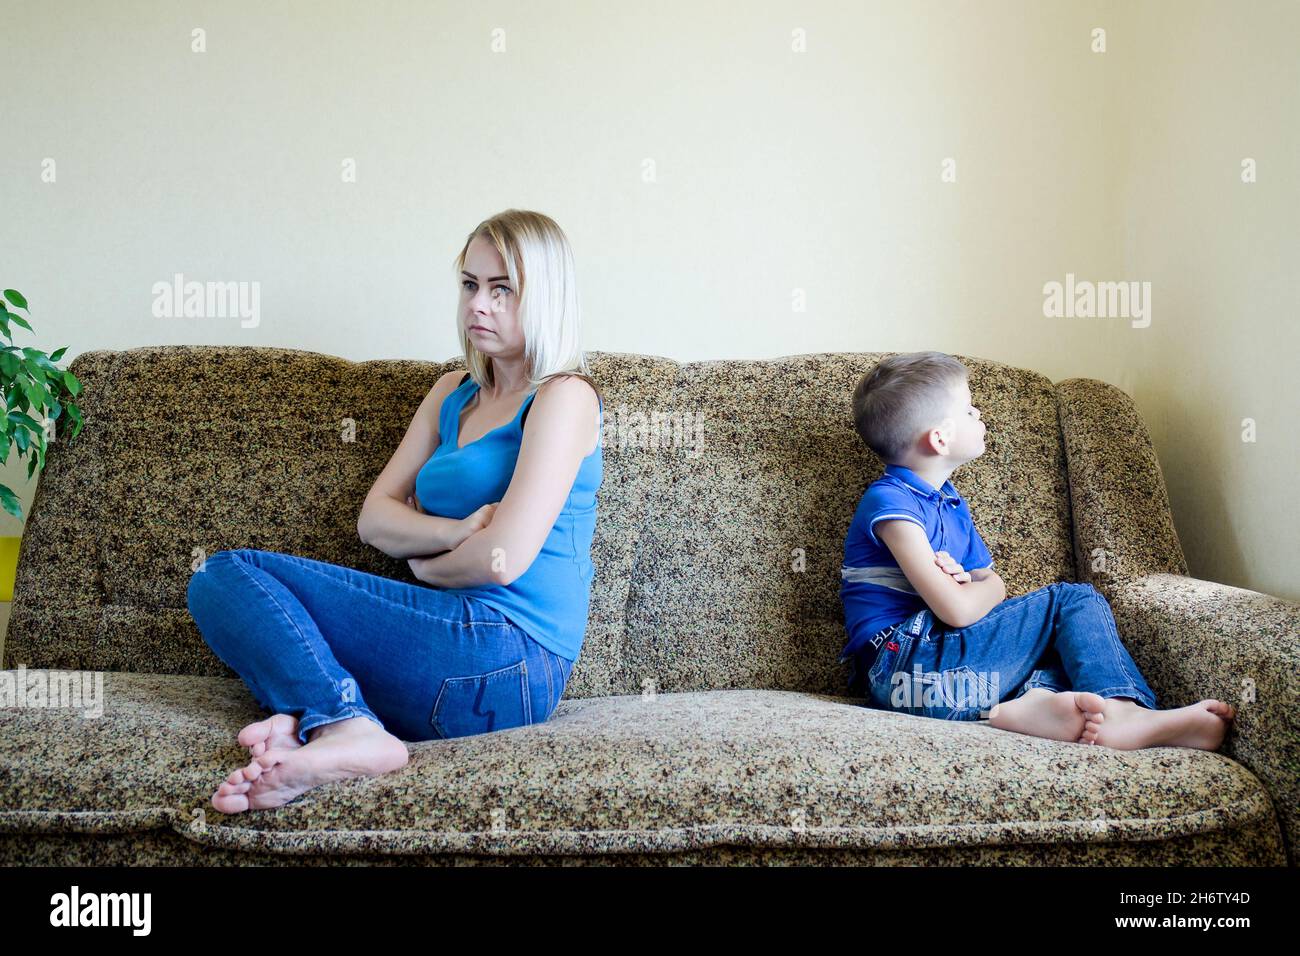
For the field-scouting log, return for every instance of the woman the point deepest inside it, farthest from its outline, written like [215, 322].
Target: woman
[496, 517]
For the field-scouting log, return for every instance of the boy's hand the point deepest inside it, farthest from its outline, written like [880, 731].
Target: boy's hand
[950, 566]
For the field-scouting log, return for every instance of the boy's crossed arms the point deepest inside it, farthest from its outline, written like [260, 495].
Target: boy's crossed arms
[956, 596]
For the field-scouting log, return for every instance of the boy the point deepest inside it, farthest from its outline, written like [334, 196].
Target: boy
[931, 631]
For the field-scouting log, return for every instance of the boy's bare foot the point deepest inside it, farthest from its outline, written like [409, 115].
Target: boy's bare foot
[348, 748]
[1126, 725]
[277, 732]
[1040, 712]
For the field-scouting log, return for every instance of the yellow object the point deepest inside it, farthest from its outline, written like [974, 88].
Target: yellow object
[8, 566]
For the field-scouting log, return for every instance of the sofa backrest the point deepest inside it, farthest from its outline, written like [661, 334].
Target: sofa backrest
[727, 492]
[738, 567]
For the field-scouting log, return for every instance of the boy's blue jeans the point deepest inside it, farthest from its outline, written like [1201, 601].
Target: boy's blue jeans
[324, 643]
[1059, 637]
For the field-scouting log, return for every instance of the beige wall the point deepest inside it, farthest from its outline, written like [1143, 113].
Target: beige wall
[1213, 84]
[774, 171]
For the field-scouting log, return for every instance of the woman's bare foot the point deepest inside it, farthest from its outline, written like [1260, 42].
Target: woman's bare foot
[354, 747]
[1040, 712]
[1126, 725]
[277, 732]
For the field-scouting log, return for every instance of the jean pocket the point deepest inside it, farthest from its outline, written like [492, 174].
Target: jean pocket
[967, 694]
[482, 703]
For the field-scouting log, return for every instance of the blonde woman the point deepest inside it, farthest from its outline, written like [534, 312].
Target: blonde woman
[496, 518]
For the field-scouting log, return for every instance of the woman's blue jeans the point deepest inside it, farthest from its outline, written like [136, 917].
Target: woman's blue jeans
[1059, 637]
[324, 643]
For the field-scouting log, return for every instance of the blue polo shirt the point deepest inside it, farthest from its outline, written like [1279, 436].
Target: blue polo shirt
[873, 589]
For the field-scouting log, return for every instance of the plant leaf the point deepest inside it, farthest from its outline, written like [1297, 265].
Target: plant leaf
[25, 419]
[11, 502]
[16, 298]
[75, 414]
[35, 393]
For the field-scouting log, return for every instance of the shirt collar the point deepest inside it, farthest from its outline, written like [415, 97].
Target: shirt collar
[922, 487]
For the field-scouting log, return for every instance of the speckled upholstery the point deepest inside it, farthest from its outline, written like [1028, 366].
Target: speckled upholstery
[706, 720]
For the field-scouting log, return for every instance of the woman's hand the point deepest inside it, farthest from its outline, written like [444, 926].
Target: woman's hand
[471, 524]
[477, 521]
[950, 566]
[418, 564]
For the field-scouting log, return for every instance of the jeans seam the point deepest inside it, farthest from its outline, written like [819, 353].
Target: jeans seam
[1110, 626]
[550, 688]
[301, 635]
[528, 696]
[356, 587]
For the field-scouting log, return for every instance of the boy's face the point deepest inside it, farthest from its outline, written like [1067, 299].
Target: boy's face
[961, 431]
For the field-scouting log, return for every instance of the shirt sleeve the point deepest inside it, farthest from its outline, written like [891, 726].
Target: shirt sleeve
[977, 555]
[885, 502]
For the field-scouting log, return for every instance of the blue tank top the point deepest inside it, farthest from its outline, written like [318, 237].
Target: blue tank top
[549, 601]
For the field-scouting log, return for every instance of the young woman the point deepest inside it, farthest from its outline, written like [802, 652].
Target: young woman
[496, 517]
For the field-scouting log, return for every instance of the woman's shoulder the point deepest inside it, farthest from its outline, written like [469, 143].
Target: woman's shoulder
[571, 390]
[571, 395]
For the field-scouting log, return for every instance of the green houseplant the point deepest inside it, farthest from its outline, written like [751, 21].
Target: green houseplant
[33, 386]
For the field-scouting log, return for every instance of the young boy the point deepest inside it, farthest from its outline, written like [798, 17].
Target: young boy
[931, 631]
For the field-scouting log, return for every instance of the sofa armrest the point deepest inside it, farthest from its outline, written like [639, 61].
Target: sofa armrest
[1123, 526]
[1195, 639]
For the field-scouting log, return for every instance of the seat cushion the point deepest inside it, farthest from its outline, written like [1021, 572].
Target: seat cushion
[618, 774]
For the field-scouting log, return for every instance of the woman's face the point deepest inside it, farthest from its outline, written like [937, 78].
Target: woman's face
[489, 303]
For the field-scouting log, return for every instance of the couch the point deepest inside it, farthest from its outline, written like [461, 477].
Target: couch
[707, 719]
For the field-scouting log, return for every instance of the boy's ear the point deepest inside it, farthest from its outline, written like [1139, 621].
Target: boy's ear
[937, 438]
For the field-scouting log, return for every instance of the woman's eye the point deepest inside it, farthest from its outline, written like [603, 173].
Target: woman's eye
[471, 284]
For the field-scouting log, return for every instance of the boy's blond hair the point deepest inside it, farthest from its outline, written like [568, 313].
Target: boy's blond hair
[902, 397]
[540, 265]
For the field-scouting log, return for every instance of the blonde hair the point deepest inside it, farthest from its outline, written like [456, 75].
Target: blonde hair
[540, 265]
[903, 396]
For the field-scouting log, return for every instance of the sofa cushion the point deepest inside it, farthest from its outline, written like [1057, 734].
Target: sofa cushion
[618, 774]
[188, 450]
[738, 572]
